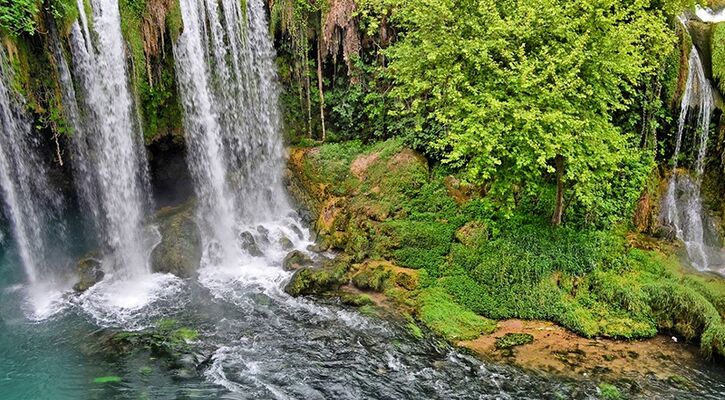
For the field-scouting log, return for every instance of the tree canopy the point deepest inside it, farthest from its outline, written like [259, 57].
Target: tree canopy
[510, 86]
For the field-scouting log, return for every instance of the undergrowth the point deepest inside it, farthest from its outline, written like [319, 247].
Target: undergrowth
[476, 261]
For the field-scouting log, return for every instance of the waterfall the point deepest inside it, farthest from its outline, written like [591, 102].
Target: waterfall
[682, 205]
[225, 71]
[31, 206]
[109, 161]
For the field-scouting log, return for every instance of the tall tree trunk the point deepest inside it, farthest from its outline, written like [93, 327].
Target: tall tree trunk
[319, 87]
[559, 209]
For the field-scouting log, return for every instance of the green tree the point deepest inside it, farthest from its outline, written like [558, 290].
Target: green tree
[525, 92]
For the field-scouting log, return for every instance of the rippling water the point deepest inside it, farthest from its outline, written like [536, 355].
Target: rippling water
[259, 344]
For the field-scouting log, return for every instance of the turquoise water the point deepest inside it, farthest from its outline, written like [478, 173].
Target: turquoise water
[258, 343]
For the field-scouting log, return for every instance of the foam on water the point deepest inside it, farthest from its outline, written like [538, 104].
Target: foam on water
[132, 304]
[45, 300]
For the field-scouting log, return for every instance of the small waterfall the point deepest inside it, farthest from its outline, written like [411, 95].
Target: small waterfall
[225, 71]
[682, 205]
[110, 166]
[30, 204]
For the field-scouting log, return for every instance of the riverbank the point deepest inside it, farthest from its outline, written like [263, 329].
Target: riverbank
[612, 300]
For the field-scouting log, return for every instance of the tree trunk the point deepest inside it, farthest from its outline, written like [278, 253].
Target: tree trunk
[559, 209]
[319, 87]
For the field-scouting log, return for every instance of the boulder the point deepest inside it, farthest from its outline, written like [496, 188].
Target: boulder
[319, 281]
[89, 273]
[296, 260]
[263, 234]
[286, 243]
[180, 250]
[250, 244]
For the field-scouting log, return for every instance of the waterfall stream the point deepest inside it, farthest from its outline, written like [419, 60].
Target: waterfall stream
[30, 203]
[682, 205]
[227, 81]
[110, 167]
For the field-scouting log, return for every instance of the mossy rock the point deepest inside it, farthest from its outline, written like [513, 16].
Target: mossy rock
[356, 300]
[510, 340]
[168, 338]
[296, 260]
[374, 279]
[319, 281]
[90, 272]
[180, 250]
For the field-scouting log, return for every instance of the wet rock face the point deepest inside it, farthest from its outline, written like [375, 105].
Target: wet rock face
[180, 250]
[89, 272]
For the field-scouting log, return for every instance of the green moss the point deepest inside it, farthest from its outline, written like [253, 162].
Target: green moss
[414, 330]
[718, 54]
[318, 281]
[513, 339]
[174, 21]
[374, 279]
[609, 392]
[152, 76]
[442, 315]
[168, 338]
[356, 300]
[368, 310]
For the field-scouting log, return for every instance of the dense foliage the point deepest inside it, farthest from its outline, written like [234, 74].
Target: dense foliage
[18, 16]
[473, 258]
[517, 83]
[553, 104]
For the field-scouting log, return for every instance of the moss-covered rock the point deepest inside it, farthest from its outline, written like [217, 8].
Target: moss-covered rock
[296, 260]
[89, 273]
[319, 281]
[374, 279]
[356, 300]
[168, 340]
[180, 250]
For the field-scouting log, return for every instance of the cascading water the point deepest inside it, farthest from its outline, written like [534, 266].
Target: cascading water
[110, 165]
[29, 203]
[227, 81]
[682, 205]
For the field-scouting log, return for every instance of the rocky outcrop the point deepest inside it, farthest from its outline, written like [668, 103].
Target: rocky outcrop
[180, 250]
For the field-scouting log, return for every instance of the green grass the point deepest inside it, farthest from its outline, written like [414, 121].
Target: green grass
[448, 319]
